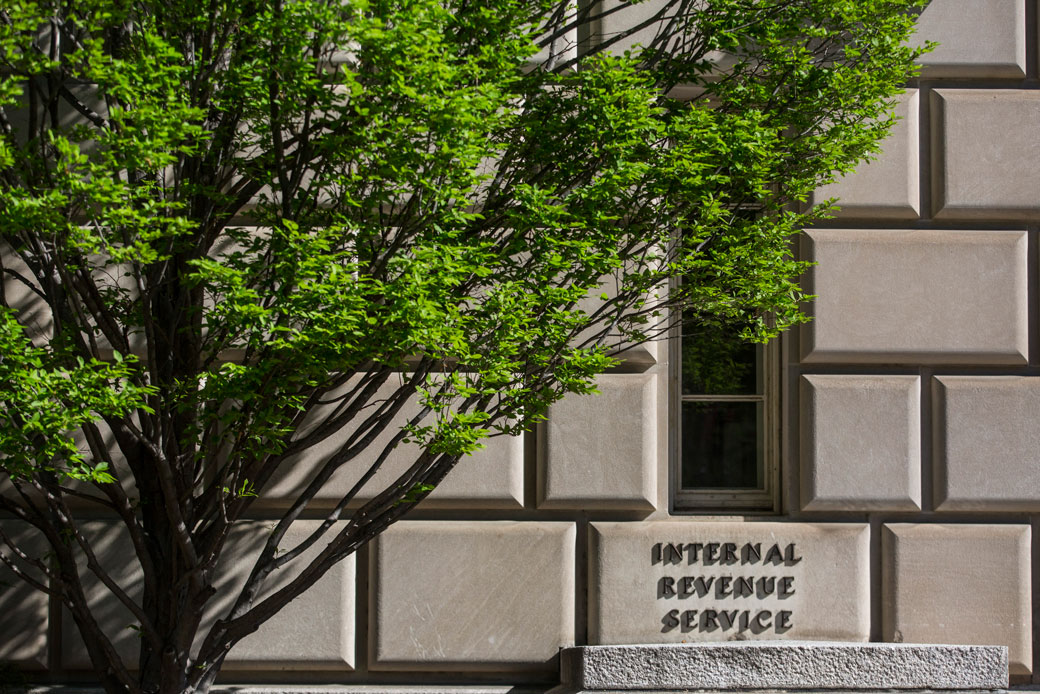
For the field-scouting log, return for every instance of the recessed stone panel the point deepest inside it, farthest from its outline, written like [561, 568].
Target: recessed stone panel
[23, 629]
[977, 38]
[632, 356]
[861, 443]
[315, 631]
[466, 596]
[600, 450]
[19, 115]
[889, 186]
[492, 477]
[987, 443]
[985, 151]
[921, 296]
[672, 582]
[561, 41]
[111, 546]
[967, 584]
[609, 19]
[32, 312]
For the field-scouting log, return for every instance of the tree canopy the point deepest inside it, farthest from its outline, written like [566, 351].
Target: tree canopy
[233, 231]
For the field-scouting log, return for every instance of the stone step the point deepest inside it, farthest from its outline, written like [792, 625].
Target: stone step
[786, 665]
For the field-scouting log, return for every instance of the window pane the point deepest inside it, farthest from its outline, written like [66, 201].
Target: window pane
[722, 445]
[717, 362]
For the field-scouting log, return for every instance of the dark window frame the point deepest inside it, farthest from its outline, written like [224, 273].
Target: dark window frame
[765, 499]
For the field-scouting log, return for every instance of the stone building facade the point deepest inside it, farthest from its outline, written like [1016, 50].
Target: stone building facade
[896, 456]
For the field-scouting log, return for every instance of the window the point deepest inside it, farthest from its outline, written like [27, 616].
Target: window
[725, 421]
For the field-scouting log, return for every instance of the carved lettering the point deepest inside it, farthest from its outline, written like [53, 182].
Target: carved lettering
[694, 550]
[751, 553]
[744, 586]
[775, 555]
[673, 553]
[722, 587]
[728, 619]
[789, 555]
[712, 552]
[724, 552]
[686, 586]
[666, 587]
[757, 585]
[766, 586]
[702, 585]
[729, 553]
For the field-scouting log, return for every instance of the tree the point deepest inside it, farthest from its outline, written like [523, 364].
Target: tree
[230, 227]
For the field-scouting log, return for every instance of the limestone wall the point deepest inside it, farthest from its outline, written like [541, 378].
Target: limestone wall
[910, 466]
[909, 399]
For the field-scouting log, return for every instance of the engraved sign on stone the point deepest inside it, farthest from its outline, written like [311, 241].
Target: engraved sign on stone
[689, 581]
[720, 603]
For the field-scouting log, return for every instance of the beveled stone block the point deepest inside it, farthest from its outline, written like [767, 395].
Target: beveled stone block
[985, 153]
[922, 296]
[861, 443]
[111, 545]
[492, 477]
[987, 444]
[562, 40]
[611, 18]
[23, 629]
[669, 582]
[977, 38]
[31, 311]
[34, 314]
[600, 451]
[314, 631]
[67, 115]
[889, 186]
[633, 356]
[967, 584]
[469, 596]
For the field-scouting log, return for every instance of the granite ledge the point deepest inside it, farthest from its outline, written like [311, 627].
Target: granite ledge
[570, 690]
[787, 665]
[341, 688]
